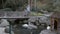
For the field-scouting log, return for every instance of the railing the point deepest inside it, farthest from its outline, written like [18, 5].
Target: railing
[13, 15]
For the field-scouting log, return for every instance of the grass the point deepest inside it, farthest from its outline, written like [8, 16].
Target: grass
[36, 14]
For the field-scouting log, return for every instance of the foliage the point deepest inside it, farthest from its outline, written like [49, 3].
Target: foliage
[14, 4]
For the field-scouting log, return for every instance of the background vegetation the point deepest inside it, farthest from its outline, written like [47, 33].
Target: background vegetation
[49, 5]
[13, 4]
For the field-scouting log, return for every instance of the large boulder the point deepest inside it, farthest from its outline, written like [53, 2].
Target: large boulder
[4, 22]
